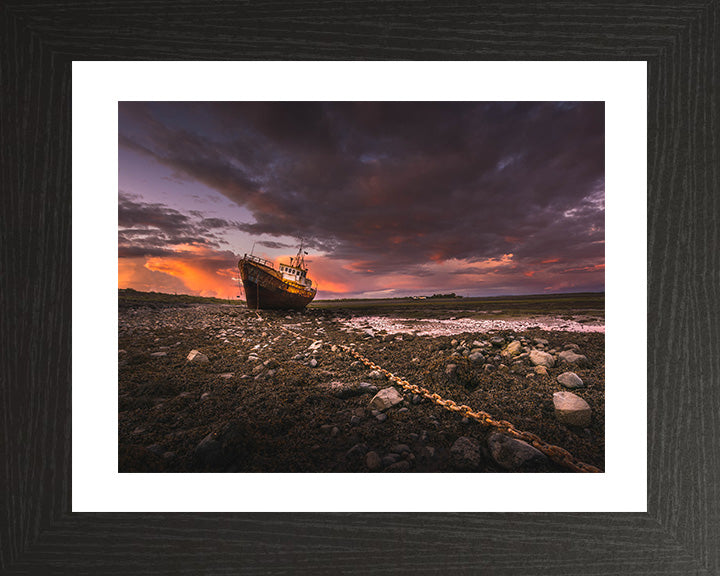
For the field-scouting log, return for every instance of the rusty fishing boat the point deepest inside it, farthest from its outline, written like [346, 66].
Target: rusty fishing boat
[285, 288]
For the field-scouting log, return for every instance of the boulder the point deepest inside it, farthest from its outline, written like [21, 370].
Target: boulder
[465, 454]
[570, 380]
[539, 358]
[386, 398]
[571, 409]
[196, 357]
[514, 454]
[570, 357]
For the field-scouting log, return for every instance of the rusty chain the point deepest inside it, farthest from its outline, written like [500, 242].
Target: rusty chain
[555, 453]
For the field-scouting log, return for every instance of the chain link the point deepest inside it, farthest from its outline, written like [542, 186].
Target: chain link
[555, 453]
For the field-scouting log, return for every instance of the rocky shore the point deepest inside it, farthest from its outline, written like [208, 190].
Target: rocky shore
[215, 388]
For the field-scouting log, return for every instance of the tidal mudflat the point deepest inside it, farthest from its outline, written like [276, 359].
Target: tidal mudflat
[216, 387]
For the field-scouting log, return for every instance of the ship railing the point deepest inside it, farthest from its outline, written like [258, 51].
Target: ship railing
[259, 260]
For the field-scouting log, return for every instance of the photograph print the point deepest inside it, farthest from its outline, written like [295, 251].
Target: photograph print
[361, 287]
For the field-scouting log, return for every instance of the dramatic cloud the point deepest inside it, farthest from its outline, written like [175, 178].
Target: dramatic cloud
[392, 190]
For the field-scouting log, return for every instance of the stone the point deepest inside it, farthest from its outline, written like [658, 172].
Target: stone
[313, 363]
[402, 466]
[571, 409]
[401, 448]
[376, 375]
[476, 357]
[209, 452]
[373, 461]
[541, 341]
[196, 357]
[465, 454]
[570, 380]
[497, 341]
[156, 449]
[513, 348]
[386, 398]
[570, 357]
[227, 375]
[381, 417]
[451, 370]
[271, 363]
[539, 358]
[514, 454]
[571, 346]
[344, 390]
[541, 371]
[158, 354]
[390, 458]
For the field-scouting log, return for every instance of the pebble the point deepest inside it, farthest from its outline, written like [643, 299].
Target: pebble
[541, 370]
[465, 454]
[476, 357]
[497, 341]
[451, 370]
[401, 410]
[401, 448]
[402, 466]
[373, 461]
[571, 409]
[381, 417]
[389, 459]
[227, 375]
[377, 375]
[197, 357]
[570, 380]
[513, 347]
[313, 363]
[158, 354]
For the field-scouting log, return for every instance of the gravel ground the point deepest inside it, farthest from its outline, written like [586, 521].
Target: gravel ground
[270, 401]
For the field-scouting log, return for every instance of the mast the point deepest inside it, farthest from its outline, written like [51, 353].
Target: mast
[299, 259]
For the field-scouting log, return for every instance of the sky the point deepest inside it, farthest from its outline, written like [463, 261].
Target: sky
[390, 199]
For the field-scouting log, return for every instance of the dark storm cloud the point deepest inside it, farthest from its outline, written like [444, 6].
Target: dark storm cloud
[395, 185]
[152, 229]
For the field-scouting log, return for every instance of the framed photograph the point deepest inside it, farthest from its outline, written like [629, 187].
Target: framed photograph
[652, 508]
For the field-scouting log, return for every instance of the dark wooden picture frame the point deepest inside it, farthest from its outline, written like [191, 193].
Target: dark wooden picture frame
[680, 533]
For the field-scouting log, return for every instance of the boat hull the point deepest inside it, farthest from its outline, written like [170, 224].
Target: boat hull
[264, 290]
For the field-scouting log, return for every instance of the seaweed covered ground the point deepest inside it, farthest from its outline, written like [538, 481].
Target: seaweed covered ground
[273, 392]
